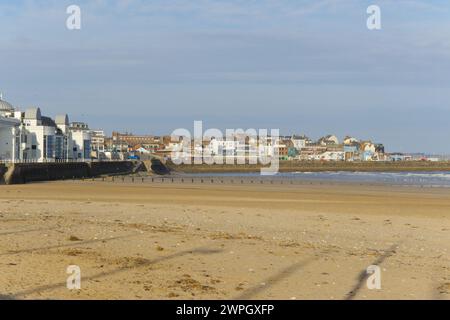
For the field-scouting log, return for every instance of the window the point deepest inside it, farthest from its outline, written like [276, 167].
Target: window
[59, 147]
[49, 145]
[87, 148]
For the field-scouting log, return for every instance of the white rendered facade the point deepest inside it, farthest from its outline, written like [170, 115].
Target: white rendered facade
[9, 146]
[9, 142]
[81, 141]
[98, 140]
[30, 137]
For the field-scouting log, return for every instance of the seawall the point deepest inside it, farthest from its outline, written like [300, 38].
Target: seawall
[3, 170]
[114, 167]
[19, 173]
[156, 166]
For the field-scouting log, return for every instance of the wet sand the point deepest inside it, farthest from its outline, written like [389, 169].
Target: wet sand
[179, 241]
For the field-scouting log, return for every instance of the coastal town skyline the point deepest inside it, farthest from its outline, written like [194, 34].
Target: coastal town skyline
[311, 139]
[30, 136]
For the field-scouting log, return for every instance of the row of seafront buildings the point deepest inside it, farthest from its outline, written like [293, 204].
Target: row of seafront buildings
[28, 136]
[329, 148]
[294, 147]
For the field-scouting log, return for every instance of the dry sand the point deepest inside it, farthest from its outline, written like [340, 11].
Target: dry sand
[153, 241]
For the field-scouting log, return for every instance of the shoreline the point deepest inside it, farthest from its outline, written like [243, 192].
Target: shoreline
[222, 179]
[300, 166]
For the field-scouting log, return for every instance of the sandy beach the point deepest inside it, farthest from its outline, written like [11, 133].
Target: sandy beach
[181, 241]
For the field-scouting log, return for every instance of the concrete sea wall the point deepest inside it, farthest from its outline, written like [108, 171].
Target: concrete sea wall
[156, 166]
[114, 167]
[28, 172]
[3, 170]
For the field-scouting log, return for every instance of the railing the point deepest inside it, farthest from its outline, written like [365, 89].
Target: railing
[4, 161]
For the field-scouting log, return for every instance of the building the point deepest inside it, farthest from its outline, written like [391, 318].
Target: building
[348, 140]
[98, 140]
[329, 156]
[62, 138]
[351, 151]
[81, 141]
[299, 142]
[37, 136]
[399, 157]
[311, 151]
[31, 137]
[9, 132]
[328, 140]
[283, 151]
[132, 139]
[124, 142]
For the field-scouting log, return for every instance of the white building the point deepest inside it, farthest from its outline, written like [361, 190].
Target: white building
[299, 142]
[329, 156]
[81, 138]
[9, 132]
[98, 140]
[30, 137]
[63, 139]
[350, 140]
[37, 136]
[328, 140]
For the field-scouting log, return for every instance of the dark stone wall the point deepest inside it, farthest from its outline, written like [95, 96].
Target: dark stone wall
[28, 172]
[114, 167]
[3, 170]
[156, 166]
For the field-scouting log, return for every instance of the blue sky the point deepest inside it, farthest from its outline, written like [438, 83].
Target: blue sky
[301, 66]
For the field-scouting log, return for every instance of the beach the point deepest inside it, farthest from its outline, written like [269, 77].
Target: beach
[222, 241]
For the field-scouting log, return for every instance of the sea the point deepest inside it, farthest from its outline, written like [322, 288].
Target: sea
[423, 179]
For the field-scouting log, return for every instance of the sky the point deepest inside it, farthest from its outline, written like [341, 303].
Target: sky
[302, 66]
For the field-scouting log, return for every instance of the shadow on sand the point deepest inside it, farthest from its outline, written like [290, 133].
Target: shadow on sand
[361, 280]
[74, 243]
[271, 281]
[5, 233]
[140, 264]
